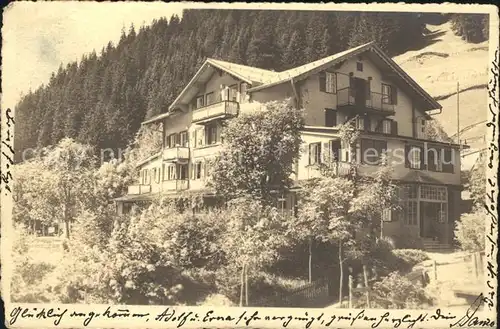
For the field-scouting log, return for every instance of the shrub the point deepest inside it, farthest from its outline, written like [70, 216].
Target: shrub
[410, 257]
[396, 292]
[470, 231]
[28, 275]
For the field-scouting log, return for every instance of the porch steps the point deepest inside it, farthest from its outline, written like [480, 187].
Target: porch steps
[436, 246]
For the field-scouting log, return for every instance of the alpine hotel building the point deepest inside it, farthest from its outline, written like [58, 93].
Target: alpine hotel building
[391, 110]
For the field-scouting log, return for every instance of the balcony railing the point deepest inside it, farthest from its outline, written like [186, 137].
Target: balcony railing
[371, 101]
[175, 185]
[221, 110]
[139, 189]
[176, 153]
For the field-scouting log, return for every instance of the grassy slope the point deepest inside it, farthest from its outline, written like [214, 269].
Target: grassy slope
[438, 66]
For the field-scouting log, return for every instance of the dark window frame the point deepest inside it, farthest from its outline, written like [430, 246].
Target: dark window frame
[333, 117]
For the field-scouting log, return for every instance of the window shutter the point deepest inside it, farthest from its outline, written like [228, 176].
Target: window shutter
[368, 89]
[431, 159]
[407, 156]
[448, 166]
[422, 158]
[394, 95]
[366, 123]
[310, 153]
[394, 127]
[322, 81]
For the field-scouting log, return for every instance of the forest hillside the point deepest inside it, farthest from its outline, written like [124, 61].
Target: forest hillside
[102, 99]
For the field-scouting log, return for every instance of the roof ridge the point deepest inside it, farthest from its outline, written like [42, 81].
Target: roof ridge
[232, 63]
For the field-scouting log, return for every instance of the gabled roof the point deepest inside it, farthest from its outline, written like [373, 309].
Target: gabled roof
[251, 75]
[296, 72]
[261, 79]
[306, 70]
[254, 74]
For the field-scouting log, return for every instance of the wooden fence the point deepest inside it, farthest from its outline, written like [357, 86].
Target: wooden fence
[315, 294]
[475, 260]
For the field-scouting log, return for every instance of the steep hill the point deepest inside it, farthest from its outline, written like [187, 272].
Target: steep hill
[437, 67]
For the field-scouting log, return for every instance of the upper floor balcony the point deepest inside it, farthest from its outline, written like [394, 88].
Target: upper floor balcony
[336, 168]
[139, 189]
[220, 110]
[176, 154]
[363, 101]
[175, 185]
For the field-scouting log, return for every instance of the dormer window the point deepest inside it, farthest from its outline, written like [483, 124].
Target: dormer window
[359, 66]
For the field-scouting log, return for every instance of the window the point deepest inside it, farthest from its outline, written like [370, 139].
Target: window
[386, 126]
[413, 157]
[209, 98]
[360, 123]
[372, 151]
[200, 136]
[172, 140]
[200, 101]
[328, 82]
[421, 129]
[359, 66]
[212, 133]
[434, 193]
[171, 172]
[335, 150]
[314, 153]
[389, 94]
[330, 118]
[197, 170]
[411, 212]
[183, 139]
[233, 93]
[183, 171]
[387, 215]
[386, 94]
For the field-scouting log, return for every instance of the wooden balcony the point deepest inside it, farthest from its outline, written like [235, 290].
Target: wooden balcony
[338, 168]
[139, 189]
[176, 154]
[221, 110]
[175, 185]
[371, 103]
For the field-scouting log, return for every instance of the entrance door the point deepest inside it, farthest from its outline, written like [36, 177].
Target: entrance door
[429, 212]
[359, 91]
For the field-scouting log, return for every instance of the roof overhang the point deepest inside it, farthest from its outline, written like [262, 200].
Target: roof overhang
[391, 69]
[149, 159]
[197, 82]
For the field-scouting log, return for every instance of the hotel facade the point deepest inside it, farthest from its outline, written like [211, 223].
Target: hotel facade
[389, 108]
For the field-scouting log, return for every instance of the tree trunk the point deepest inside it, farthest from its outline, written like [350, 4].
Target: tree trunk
[246, 285]
[341, 267]
[66, 228]
[242, 285]
[310, 259]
